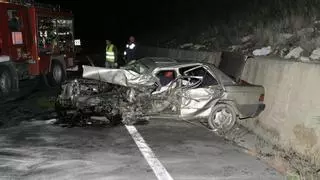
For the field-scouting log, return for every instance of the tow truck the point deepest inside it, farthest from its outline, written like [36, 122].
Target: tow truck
[36, 40]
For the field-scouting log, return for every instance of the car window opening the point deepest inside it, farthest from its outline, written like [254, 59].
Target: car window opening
[207, 78]
[166, 77]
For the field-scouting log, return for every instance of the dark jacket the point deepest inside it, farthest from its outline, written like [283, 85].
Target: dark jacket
[131, 51]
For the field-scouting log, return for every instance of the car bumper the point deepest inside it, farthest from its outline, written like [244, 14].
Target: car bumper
[261, 108]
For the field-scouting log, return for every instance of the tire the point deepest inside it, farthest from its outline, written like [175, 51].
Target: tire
[6, 82]
[57, 74]
[222, 118]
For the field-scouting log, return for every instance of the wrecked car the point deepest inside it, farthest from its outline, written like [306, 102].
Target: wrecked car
[154, 87]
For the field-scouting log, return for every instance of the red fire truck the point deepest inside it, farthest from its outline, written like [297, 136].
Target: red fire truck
[35, 40]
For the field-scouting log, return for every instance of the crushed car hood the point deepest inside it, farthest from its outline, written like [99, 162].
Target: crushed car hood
[122, 77]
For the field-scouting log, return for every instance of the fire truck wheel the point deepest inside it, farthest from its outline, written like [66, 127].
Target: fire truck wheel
[6, 82]
[58, 74]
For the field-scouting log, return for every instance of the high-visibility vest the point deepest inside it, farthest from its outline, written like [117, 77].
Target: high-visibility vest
[110, 56]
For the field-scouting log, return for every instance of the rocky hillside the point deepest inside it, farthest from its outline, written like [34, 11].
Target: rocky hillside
[288, 28]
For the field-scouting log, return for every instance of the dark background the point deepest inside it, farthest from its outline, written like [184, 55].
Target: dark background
[146, 20]
[117, 20]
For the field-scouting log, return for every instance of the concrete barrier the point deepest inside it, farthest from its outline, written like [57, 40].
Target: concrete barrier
[292, 114]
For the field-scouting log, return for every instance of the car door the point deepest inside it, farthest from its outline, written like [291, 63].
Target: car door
[200, 91]
[164, 99]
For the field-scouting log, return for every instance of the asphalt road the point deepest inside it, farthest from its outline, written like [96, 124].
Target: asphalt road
[162, 149]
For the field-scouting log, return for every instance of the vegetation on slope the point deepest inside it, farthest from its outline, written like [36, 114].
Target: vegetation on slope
[246, 25]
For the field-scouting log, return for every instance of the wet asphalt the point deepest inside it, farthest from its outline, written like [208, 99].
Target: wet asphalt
[38, 149]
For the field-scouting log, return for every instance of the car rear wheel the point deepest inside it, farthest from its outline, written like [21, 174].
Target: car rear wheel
[222, 118]
[6, 82]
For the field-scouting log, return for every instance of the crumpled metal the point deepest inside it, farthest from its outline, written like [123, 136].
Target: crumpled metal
[122, 77]
[137, 98]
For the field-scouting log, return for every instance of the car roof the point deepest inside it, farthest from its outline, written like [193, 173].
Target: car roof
[165, 62]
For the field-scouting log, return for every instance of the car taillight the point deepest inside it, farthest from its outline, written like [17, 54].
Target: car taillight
[243, 82]
[261, 98]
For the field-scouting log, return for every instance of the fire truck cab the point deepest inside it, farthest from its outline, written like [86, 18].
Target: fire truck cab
[35, 40]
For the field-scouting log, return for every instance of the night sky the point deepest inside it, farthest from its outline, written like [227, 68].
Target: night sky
[95, 22]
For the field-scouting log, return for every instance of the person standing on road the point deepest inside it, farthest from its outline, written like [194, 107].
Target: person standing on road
[130, 51]
[111, 55]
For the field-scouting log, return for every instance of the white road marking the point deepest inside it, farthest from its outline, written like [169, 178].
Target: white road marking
[158, 169]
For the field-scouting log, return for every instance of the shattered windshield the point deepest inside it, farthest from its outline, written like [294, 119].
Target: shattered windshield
[136, 67]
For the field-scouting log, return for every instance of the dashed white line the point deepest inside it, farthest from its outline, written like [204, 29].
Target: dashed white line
[158, 169]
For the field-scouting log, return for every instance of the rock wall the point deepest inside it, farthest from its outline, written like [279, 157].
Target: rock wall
[292, 111]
